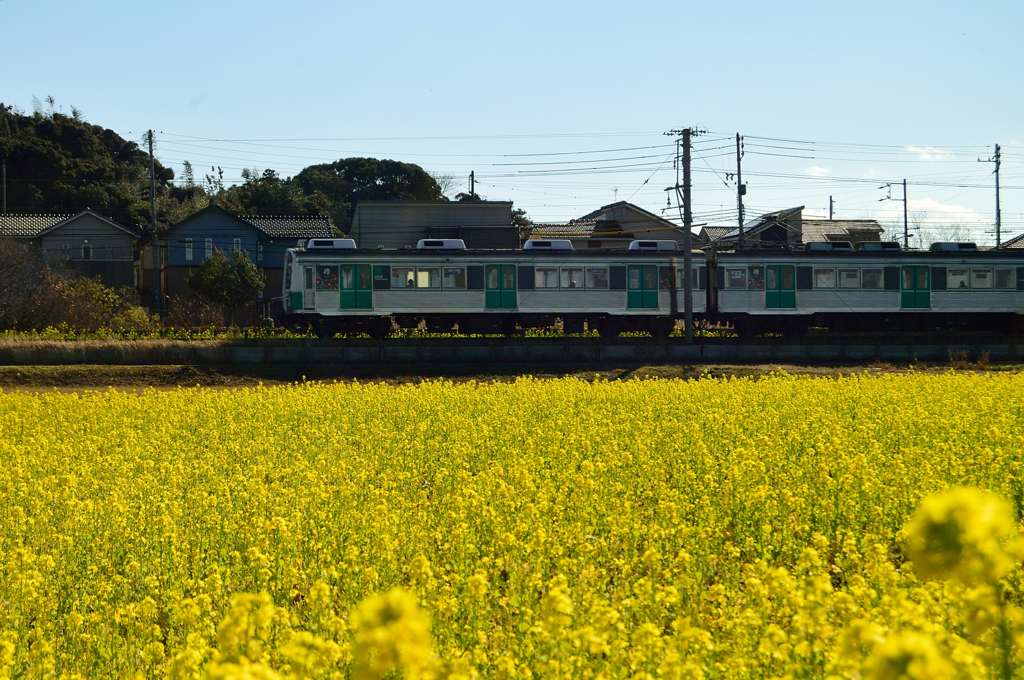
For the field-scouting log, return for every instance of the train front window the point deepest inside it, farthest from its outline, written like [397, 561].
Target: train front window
[428, 277]
[981, 278]
[545, 277]
[825, 278]
[572, 277]
[956, 277]
[403, 277]
[872, 279]
[849, 278]
[597, 277]
[455, 277]
[1003, 279]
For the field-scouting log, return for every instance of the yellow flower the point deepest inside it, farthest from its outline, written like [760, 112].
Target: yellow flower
[390, 632]
[960, 534]
[908, 656]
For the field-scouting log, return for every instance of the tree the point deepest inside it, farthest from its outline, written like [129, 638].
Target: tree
[227, 283]
[60, 163]
[338, 187]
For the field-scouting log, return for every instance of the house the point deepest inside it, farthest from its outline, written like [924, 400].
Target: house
[94, 245]
[854, 231]
[612, 227]
[264, 238]
[789, 228]
[400, 224]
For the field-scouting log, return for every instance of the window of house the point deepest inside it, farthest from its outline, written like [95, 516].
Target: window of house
[597, 277]
[981, 278]
[572, 277]
[849, 278]
[86, 251]
[237, 245]
[454, 277]
[403, 277]
[736, 278]
[209, 248]
[545, 277]
[66, 251]
[872, 279]
[428, 277]
[188, 250]
[1003, 279]
[956, 277]
[259, 252]
[108, 252]
[825, 277]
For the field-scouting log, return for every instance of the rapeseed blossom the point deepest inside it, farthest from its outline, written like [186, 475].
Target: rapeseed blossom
[525, 530]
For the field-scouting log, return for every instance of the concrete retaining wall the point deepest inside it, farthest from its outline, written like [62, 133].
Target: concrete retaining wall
[489, 351]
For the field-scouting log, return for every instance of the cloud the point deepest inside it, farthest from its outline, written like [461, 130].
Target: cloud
[818, 171]
[929, 212]
[197, 101]
[931, 153]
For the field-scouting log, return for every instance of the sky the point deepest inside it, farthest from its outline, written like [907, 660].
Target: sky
[562, 107]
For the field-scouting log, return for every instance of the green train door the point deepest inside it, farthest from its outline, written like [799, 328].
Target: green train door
[501, 286]
[780, 286]
[915, 288]
[356, 287]
[642, 286]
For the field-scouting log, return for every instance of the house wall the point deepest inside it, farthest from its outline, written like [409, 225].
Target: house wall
[112, 256]
[481, 224]
[220, 228]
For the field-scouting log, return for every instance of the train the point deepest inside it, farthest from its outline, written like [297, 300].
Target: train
[335, 287]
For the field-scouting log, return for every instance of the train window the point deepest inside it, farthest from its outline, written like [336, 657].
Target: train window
[736, 278]
[428, 277]
[327, 277]
[849, 278]
[508, 275]
[287, 270]
[402, 277]
[1004, 278]
[455, 277]
[597, 277]
[981, 278]
[871, 279]
[492, 277]
[956, 277]
[348, 277]
[694, 279]
[364, 278]
[634, 278]
[824, 277]
[572, 277]
[308, 278]
[545, 277]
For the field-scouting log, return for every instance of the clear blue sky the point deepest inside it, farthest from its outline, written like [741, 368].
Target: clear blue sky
[883, 90]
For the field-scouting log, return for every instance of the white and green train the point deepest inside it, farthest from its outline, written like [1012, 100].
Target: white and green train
[335, 287]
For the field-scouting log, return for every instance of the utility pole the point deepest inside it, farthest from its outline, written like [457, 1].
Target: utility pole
[687, 239]
[830, 206]
[995, 159]
[741, 188]
[472, 183]
[683, 200]
[157, 298]
[888, 197]
[906, 231]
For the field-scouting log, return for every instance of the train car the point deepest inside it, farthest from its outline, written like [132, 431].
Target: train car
[870, 290]
[336, 287]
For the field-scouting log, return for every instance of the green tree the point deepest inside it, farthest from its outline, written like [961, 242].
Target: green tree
[227, 283]
[338, 187]
[60, 163]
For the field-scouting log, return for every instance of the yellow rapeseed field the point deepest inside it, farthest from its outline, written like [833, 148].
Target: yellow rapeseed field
[536, 529]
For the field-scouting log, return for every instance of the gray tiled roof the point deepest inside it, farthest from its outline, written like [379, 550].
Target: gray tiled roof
[28, 226]
[715, 233]
[571, 229]
[291, 227]
[828, 230]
